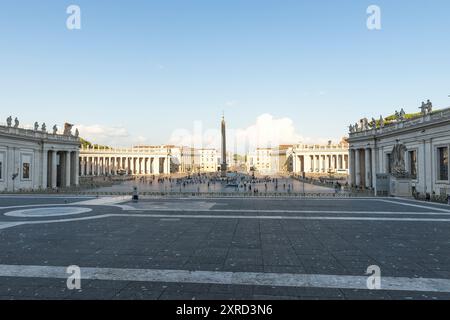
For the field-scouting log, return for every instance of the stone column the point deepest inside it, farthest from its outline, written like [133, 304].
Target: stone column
[156, 165]
[75, 165]
[92, 166]
[368, 168]
[67, 169]
[327, 162]
[351, 168]
[82, 164]
[132, 165]
[167, 165]
[306, 163]
[374, 169]
[44, 169]
[104, 166]
[54, 170]
[357, 168]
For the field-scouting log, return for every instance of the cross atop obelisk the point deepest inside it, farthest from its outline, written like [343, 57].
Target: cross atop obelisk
[223, 165]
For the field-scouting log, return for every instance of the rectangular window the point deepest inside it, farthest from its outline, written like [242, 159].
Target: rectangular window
[443, 163]
[413, 163]
[26, 171]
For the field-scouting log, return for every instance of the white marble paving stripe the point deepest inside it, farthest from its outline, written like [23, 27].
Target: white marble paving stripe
[181, 209]
[415, 205]
[230, 278]
[103, 201]
[186, 216]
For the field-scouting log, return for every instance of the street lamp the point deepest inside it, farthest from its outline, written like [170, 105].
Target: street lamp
[14, 176]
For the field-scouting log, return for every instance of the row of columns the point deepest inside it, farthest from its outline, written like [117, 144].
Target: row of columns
[362, 167]
[63, 164]
[320, 163]
[107, 165]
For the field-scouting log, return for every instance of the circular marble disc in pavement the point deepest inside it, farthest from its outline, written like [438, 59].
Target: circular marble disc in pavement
[47, 212]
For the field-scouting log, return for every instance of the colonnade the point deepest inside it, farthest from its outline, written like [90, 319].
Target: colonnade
[320, 163]
[362, 167]
[60, 168]
[101, 165]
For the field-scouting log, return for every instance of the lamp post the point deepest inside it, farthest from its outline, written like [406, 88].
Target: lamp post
[14, 176]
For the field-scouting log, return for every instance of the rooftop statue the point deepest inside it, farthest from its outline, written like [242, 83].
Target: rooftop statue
[351, 128]
[9, 121]
[16, 123]
[426, 108]
[36, 126]
[402, 114]
[55, 129]
[68, 129]
[429, 106]
[381, 121]
[77, 133]
[423, 109]
[364, 124]
[373, 123]
[44, 127]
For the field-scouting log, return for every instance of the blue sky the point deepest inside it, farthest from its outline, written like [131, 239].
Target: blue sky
[138, 70]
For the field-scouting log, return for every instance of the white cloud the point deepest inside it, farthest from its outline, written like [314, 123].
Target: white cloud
[105, 135]
[267, 131]
[231, 103]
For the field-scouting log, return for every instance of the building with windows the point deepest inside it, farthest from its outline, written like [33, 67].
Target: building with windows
[425, 141]
[33, 159]
[209, 160]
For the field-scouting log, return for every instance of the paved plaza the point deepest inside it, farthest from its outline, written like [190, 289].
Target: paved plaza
[208, 185]
[218, 248]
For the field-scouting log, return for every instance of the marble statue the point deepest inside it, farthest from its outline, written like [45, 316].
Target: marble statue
[365, 124]
[351, 129]
[402, 114]
[16, 123]
[429, 106]
[36, 126]
[55, 129]
[44, 127]
[373, 123]
[68, 129]
[398, 167]
[9, 121]
[356, 127]
[381, 122]
[423, 109]
[77, 133]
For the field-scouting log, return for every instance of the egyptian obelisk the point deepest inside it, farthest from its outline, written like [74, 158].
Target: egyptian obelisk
[223, 165]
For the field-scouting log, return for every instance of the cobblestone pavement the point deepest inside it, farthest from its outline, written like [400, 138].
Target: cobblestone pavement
[223, 248]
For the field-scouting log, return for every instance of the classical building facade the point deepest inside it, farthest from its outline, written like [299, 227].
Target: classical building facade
[320, 159]
[425, 141]
[140, 160]
[147, 160]
[33, 159]
[269, 161]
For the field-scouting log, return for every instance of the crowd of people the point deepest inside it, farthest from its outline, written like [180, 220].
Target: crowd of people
[235, 182]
